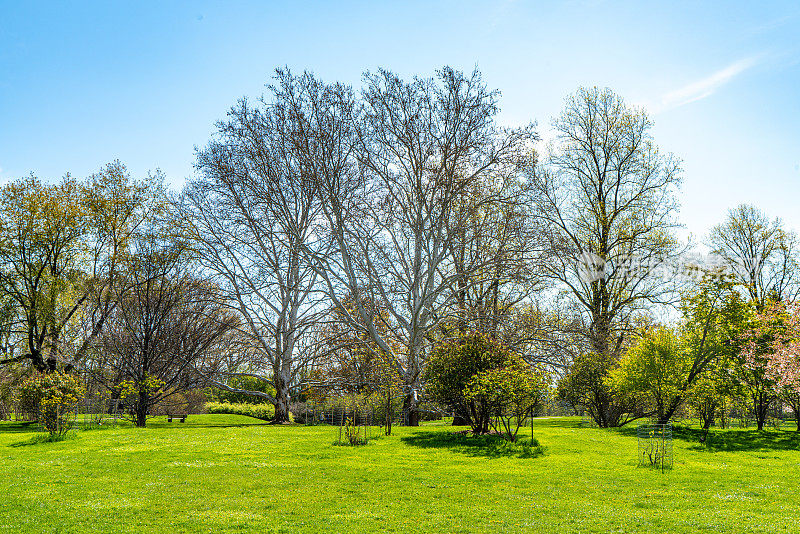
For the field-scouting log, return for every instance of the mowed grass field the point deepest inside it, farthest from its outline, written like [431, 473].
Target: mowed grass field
[227, 473]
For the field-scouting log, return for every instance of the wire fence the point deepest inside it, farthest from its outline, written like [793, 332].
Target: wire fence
[655, 446]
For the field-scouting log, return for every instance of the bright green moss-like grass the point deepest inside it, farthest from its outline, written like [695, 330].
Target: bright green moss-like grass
[228, 473]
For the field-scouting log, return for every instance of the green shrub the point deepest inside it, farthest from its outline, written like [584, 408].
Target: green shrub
[531, 449]
[452, 365]
[52, 397]
[258, 411]
[509, 393]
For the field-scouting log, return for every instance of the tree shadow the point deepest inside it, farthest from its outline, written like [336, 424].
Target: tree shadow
[730, 439]
[45, 438]
[487, 446]
[27, 443]
[738, 440]
[10, 427]
[629, 430]
[538, 422]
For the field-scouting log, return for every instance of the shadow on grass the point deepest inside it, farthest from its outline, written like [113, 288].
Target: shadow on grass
[483, 446]
[734, 440]
[539, 422]
[45, 438]
[9, 427]
[729, 439]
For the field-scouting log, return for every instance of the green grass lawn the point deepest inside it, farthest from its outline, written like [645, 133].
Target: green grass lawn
[227, 473]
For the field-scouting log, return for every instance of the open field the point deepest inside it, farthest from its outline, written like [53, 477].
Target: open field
[225, 473]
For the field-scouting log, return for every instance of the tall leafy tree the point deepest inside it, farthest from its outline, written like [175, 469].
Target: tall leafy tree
[607, 206]
[768, 363]
[655, 369]
[61, 250]
[42, 230]
[714, 318]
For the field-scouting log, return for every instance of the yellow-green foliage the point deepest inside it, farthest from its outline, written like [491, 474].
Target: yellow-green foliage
[656, 369]
[515, 386]
[352, 433]
[452, 365]
[52, 397]
[130, 389]
[510, 392]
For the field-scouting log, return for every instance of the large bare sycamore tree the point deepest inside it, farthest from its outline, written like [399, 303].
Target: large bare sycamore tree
[607, 207]
[390, 178]
[354, 196]
[253, 212]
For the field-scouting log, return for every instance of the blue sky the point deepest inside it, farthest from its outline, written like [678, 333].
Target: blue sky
[84, 83]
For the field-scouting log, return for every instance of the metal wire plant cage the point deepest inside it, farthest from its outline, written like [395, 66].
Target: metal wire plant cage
[655, 446]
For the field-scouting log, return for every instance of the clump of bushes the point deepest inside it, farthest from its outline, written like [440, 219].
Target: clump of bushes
[485, 384]
[258, 411]
[52, 398]
[531, 449]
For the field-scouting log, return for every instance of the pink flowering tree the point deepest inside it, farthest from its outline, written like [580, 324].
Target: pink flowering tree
[770, 367]
[783, 365]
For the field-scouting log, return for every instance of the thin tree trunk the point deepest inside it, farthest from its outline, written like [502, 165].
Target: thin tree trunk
[388, 411]
[760, 408]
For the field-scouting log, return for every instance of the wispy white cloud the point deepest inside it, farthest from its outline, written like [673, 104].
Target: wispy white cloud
[773, 24]
[704, 87]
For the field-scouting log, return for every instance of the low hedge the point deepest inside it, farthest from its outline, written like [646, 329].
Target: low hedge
[259, 411]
